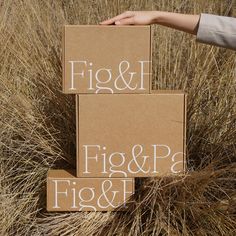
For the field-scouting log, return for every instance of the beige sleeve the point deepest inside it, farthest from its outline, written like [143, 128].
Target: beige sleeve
[217, 30]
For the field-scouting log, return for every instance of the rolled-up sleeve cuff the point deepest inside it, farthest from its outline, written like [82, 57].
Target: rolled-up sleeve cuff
[217, 30]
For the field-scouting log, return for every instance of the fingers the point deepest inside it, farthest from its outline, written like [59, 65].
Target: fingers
[117, 18]
[126, 21]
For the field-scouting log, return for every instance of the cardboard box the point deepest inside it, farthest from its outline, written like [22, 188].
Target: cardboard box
[131, 135]
[106, 59]
[65, 192]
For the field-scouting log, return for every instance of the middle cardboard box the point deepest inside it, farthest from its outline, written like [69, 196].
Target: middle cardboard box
[131, 135]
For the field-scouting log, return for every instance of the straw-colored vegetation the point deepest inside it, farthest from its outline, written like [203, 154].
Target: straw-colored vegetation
[37, 124]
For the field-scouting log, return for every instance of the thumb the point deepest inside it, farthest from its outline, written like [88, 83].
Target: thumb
[126, 21]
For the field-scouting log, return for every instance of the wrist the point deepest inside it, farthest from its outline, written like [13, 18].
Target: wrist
[159, 17]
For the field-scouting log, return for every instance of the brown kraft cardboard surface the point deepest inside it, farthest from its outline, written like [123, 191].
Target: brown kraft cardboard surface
[131, 135]
[65, 192]
[106, 59]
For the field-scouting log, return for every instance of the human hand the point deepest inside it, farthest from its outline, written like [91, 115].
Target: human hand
[132, 18]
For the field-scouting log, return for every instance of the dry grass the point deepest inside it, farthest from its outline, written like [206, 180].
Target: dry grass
[38, 124]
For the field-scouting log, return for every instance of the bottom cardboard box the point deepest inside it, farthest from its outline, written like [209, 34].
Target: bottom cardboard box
[65, 192]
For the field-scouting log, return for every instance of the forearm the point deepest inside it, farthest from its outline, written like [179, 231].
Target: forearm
[183, 22]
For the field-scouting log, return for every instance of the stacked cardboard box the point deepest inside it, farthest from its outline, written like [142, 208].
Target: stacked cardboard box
[124, 129]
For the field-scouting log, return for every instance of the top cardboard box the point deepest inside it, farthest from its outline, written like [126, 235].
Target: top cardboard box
[106, 59]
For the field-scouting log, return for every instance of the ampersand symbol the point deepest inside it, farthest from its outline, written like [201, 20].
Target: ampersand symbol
[135, 157]
[105, 189]
[121, 77]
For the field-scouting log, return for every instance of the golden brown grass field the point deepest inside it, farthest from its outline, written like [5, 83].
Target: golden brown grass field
[37, 124]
